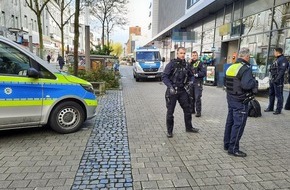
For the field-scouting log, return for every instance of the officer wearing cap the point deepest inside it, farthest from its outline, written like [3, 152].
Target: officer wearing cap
[240, 86]
[177, 76]
[277, 72]
[199, 72]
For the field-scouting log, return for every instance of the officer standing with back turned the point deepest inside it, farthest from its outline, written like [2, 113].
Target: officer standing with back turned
[178, 76]
[277, 71]
[199, 72]
[240, 86]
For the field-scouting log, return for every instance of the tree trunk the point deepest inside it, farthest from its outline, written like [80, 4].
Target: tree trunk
[76, 37]
[39, 24]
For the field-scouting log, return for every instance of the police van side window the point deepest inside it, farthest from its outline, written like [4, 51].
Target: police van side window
[12, 61]
[43, 72]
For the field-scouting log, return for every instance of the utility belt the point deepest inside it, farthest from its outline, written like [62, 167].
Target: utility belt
[244, 97]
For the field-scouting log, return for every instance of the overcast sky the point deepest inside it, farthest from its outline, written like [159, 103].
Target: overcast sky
[138, 15]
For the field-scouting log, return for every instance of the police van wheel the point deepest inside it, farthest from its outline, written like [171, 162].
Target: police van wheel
[67, 117]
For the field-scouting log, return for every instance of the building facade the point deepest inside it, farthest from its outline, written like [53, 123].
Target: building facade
[19, 23]
[219, 28]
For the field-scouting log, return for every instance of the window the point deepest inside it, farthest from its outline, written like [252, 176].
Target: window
[16, 22]
[148, 56]
[12, 61]
[31, 27]
[25, 21]
[2, 18]
[12, 21]
[190, 3]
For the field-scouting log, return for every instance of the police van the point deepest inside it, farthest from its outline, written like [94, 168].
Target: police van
[33, 93]
[147, 63]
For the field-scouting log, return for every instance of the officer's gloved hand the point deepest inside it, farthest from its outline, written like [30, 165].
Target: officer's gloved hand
[255, 90]
[172, 91]
[190, 83]
[196, 75]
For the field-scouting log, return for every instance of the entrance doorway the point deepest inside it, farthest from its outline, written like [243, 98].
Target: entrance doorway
[229, 51]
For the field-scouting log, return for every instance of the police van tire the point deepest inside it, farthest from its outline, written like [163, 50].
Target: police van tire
[67, 117]
[137, 79]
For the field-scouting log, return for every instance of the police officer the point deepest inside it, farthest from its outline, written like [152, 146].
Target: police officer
[177, 75]
[199, 72]
[240, 86]
[277, 71]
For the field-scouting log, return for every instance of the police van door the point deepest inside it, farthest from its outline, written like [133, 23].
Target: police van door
[21, 97]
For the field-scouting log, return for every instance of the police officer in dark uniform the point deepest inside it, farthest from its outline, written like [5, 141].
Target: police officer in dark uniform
[178, 76]
[277, 71]
[240, 86]
[199, 72]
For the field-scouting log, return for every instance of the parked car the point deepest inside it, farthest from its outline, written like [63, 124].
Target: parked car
[33, 93]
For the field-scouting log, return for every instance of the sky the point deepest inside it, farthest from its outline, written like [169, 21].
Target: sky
[138, 15]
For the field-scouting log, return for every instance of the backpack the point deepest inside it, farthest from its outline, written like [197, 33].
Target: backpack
[254, 109]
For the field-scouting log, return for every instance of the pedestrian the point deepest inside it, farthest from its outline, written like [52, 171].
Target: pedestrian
[48, 58]
[240, 86]
[199, 71]
[60, 61]
[277, 72]
[177, 76]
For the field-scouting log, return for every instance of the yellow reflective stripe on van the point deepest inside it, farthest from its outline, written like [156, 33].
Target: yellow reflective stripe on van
[46, 102]
[91, 102]
[15, 103]
[233, 70]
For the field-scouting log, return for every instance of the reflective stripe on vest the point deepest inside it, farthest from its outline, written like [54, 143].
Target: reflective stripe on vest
[232, 82]
[234, 69]
[195, 65]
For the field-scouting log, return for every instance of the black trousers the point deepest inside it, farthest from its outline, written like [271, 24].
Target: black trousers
[196, 97]
[183, 99]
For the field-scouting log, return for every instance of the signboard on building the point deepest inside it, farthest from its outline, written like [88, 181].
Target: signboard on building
[224, 29]
[183, 36]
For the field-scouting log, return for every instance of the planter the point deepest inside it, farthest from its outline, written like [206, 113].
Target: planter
[99, 87]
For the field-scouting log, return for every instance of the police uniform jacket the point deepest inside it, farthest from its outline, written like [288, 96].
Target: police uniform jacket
[177, 73]
[198, 69]
[278, 69]
[239, 80]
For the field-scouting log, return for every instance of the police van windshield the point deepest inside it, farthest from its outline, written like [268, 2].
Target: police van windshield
[147, 56]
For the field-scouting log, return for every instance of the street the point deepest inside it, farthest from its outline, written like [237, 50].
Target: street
[125, 147]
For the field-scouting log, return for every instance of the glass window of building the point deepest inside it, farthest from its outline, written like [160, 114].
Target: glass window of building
[279, 2]
[220, 18]
[257, 23]
[25, 21]
[209, 23]
[238, 10]
[281, 16]
[258, 45]
[12, 21]
[198, 34]
[2, 19]
[228, 14]
[208, 36]
[252, 7]
[190, 3]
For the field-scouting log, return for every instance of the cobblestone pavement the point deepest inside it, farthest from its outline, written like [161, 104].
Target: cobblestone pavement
[198, 161]
[106, 160]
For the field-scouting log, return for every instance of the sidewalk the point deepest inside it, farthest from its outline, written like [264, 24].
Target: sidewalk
[198, 161]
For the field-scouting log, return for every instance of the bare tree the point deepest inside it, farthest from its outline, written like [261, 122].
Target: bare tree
[108, 12]
[37, 8]
[64, 19]
[76, 37]
[115, 19]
